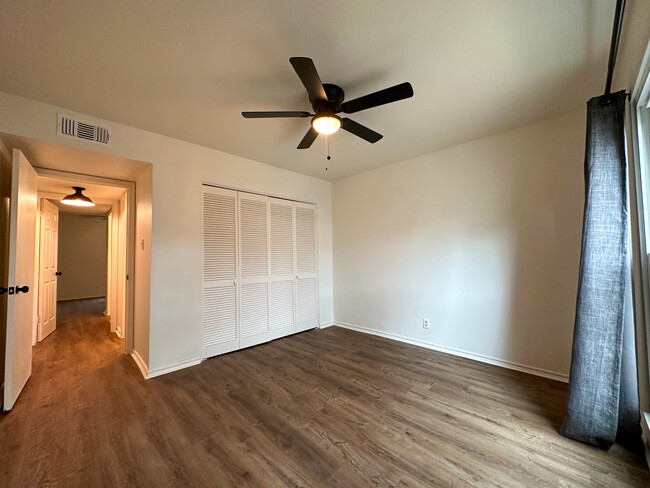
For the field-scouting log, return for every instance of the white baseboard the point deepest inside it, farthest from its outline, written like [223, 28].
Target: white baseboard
[152, 373]
[459, 352]
[140, 362]
[79, 298]
[173, 367]
[324, 326]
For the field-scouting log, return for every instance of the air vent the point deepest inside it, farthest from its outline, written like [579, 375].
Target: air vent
[80, 129]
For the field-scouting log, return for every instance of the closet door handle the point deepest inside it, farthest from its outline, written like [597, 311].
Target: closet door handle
[58, 273]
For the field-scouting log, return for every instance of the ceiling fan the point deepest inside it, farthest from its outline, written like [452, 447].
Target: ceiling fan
[327, 101]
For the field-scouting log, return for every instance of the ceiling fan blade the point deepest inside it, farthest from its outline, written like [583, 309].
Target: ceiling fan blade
[382, 97]
[307, 73]
[268, 115]
[309, 138]
[360, 130]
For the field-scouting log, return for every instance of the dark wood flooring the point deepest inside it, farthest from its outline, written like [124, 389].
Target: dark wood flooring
[322, 408]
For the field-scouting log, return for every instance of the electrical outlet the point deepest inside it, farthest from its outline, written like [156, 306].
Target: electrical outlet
[425, 323]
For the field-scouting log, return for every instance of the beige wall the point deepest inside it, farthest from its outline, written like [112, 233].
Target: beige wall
[483, 239]
[82, 256]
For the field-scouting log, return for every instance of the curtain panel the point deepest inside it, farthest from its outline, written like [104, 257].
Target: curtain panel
[603, 396]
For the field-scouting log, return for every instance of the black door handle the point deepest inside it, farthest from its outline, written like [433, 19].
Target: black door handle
[58, 273]
[3, 290]
[23, 289]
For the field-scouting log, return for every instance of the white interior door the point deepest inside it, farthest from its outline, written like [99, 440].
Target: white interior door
[120, 296]
[253, 269]
[47, 277]
[307, 267]
[20, 306]
[220, 331]
[109, 269]
[283, 301]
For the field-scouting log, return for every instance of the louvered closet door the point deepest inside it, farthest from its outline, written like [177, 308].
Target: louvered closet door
[220, 332]
[282, 302]
[306, 267]
[253, 269]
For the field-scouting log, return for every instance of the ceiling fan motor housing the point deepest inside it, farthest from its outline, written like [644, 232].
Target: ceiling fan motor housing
[327, 100]
[332, 105]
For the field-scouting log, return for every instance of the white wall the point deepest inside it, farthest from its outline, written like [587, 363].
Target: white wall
[141, 315]
[179, 168]
[82, 256]
[482, 238]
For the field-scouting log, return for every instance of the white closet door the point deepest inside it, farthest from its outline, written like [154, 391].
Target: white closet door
[283, 302]
[306, 267]
[220, 332]
[254, 258]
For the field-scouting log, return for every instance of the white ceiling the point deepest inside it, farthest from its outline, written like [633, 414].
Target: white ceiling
[187, 69]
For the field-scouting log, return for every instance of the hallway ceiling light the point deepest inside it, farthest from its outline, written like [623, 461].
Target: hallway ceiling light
[77, 198]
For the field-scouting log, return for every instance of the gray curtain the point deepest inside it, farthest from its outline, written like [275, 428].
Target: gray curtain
[603, 404]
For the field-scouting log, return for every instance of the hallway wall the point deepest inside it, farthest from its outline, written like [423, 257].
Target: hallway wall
[82, 256]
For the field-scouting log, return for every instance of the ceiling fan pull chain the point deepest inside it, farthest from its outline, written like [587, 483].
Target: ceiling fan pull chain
[327, 146]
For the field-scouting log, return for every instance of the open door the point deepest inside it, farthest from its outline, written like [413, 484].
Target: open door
[47, 268]
[20, 306]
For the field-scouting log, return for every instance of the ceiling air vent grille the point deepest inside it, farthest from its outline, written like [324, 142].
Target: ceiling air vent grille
[79, 129]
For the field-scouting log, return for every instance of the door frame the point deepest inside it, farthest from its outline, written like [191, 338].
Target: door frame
[129, 186]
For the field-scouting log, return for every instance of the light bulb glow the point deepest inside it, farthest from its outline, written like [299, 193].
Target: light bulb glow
[78, 199]
[326, 124]
[77, 203]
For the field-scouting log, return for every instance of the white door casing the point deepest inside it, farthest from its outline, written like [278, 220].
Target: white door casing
[47, 268]
[20, 306]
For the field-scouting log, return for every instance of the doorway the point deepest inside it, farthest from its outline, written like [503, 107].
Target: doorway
[20, 157]
[90, 251]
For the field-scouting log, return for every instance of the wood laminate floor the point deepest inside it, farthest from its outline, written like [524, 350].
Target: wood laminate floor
[323, 408]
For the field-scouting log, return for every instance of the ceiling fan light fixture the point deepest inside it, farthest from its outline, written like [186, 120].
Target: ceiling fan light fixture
[326, 124]
[77, 198]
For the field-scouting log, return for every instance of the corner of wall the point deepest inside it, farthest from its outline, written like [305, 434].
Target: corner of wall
[142, 365]
[142, 292]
